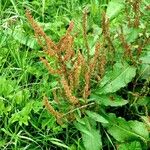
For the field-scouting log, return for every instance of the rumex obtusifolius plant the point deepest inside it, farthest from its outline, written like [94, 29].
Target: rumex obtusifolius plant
[75, 80]
[76, 72]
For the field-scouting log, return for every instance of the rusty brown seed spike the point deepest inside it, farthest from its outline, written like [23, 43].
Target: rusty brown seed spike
[101, 65]
[55, 96]
[106, 33]
[95, 60]
[136, 9]
[40, 35]
[71, 26]
[86, 91]
[64, 56]
[85, 33]
[72, 99]
[52, 111]
[126, 46]
[71, 80]
[50, 69]
[77, 69]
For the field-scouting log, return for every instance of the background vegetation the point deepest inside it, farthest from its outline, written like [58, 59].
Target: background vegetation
[113, 38]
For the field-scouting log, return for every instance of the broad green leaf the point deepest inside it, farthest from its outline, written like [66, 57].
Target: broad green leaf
[22, 95]
[109, 100]
[114, 8]
[23, 38]
[92, 142]
[130, 146]
[82, 128]
[90, 135]
[117, 78]
[96, 117]
[124, 131]
[133, 35]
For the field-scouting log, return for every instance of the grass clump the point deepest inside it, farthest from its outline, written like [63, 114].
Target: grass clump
[89, 64]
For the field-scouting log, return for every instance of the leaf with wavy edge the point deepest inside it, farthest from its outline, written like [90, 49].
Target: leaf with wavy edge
[117, 78]
[124, 131]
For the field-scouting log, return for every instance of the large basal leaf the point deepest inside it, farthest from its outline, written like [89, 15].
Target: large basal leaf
[92, 142]
[130, 146]
[124, 131]
[90, 135]
[117, 78]
[114, 8]
[108, 100]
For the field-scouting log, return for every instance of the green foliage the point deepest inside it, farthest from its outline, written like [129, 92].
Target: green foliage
[116, 113]
[117, 78]
[124, 131]
[22, 116]
[96, 117]
[114, 8]
[90, 135]
[109, 100]
[145, 67]
[130, 146]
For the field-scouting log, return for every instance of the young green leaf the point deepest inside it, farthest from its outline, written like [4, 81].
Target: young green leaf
[22, 116]
[114, 8]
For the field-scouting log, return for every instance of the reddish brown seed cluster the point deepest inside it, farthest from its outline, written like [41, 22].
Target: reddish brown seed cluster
[126, 46]
[75, 79]
[72, 99]
[52, 111]
[107, 36]
[136, 9]
[85, 32]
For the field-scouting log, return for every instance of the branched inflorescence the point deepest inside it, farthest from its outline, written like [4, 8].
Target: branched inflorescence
[74, 80]
[74, 70]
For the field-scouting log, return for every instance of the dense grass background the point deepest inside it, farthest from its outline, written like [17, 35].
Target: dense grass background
[24, 123]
